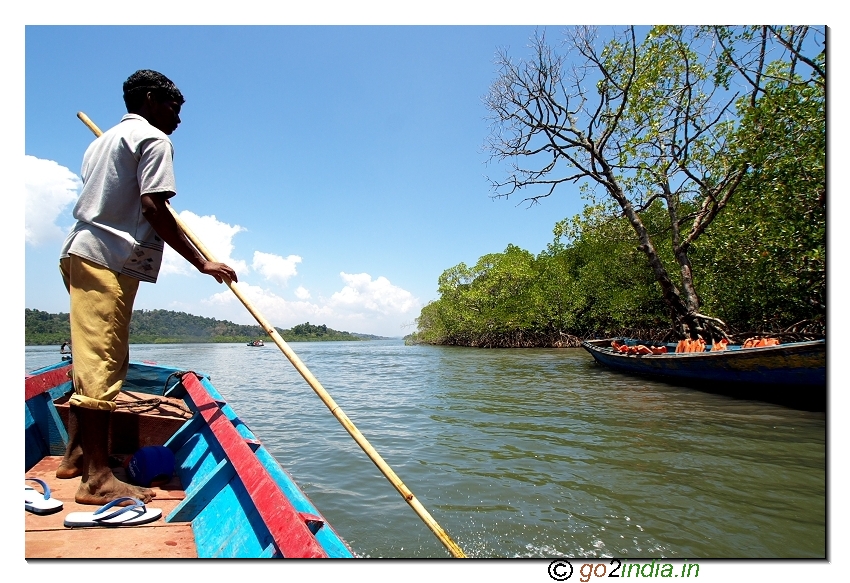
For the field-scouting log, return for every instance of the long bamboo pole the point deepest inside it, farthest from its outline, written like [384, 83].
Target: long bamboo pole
[317, 387]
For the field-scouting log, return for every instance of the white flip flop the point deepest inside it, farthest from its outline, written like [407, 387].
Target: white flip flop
[38, 502]
[131, 515]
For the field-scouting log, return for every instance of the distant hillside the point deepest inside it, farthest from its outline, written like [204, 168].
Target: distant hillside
[167, 327]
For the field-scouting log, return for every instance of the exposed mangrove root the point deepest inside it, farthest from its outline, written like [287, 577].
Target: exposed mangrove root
[709, 330]
[518, 339]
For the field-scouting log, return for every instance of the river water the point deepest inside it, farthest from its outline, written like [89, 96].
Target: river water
[524, 452]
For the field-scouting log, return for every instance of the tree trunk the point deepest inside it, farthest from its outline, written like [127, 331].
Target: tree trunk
[684, 312]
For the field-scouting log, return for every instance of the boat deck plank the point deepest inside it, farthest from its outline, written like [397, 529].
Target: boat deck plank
[47, 537]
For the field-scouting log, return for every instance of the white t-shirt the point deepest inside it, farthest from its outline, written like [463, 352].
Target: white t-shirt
[129, 160]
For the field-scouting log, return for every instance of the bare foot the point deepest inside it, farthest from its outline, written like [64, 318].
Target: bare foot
[71, 466]
[72, 462]
[110, 488]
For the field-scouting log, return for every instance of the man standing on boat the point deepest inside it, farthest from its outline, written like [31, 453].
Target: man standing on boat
[122, 222]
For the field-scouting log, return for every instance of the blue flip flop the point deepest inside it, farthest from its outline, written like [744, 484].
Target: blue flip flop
[130, 515]
[40, 502]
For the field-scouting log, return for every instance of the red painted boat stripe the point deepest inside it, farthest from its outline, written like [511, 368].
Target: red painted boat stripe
[37, 384]
[285, 524]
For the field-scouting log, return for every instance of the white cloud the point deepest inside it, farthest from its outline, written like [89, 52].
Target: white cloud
[363, 305]
[278, 311]
[361, 294]
[275, 267]
[49, 189]
[215, 235]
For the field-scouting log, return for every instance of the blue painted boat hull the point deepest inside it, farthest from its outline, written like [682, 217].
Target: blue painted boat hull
[240, 501]
[797, 364]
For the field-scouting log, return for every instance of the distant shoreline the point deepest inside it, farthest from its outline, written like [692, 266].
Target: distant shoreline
[168, 327]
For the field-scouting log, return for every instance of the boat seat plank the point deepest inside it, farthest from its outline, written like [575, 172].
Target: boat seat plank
[135, 424]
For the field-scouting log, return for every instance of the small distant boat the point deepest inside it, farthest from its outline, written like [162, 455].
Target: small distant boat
[256, 343]
[228, 497]
[793, 365]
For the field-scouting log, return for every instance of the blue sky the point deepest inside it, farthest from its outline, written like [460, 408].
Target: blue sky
[340, 169]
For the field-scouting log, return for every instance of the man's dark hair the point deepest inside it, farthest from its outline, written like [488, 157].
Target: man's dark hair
[137, 86]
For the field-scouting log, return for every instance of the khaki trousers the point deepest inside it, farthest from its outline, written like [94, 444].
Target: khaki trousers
[101, 307]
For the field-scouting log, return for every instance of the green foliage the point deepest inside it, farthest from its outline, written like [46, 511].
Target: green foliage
[167, 327]
[596, 284]
[309, 333]
[157, 326]
[41, 328]
[610, 286]
[661, 139]
[496, 295]
[773, 235]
